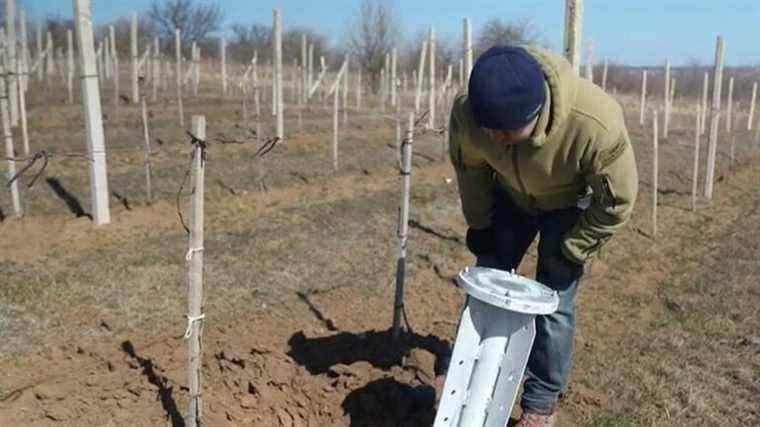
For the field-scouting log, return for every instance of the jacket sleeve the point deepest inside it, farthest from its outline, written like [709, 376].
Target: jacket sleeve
[611, 172]
[474, 175]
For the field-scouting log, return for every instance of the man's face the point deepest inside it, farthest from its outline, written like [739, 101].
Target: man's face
[511, 137]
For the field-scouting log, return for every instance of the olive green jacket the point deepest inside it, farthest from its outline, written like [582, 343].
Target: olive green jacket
[580, 142]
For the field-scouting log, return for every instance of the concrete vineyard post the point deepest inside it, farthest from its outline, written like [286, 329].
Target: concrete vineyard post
[359, 88]
[344, 95]
[335, 129]
[572, 38]
[705, 89]
[194, 257]
[714, 119]
[116, 73]
[223, 50]
[730, 105]
[393, 77]
[403, 226]
[22, 111]
[70, 67]
[156, 69]
[655, 175]
[24, 50]
[590, 62]
[146, 137]
[10, 152]
[93, 113]
[431, 93]
[178, 75]
[10, 56]
[195, 58]
[134, 56]
[310, 70]
[304, 68]
[420, 74]
[277, 25]
[643, 102]
[695, 167]
[666, 97]
[752, 106]
[467, 52]
[40, 51]
[604, 75]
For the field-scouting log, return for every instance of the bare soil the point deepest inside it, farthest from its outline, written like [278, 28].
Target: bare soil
[299, 285]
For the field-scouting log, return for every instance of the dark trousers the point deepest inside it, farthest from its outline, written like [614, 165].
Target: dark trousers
[551, 356]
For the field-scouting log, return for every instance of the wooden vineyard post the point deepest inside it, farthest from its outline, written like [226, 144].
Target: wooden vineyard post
[146, 136]
[431, 94]
[572, 39]
[194, 259]
[714, 119]
[93, 113]
[277, 26]
[666, 97]
[655, 176]
[403, 227]
[752, 106]
[10, 152]
[420, 76]
[22, 110]
[643, 96]
[467, 52]
[695, 169]
[178, 75]
[70, 67]
[133, 50]
[10, 57]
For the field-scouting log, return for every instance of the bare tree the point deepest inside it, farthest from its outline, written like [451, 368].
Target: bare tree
[372, 34]
[146, 30]
[258, 37]
[195, 21]
[499, 33]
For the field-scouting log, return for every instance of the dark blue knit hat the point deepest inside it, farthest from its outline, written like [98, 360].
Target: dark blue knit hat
[506, 88]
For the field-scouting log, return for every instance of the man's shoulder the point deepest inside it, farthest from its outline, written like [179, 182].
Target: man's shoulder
[596, 111]
[461, 115]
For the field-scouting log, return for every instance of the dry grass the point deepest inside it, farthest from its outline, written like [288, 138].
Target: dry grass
[667, 328]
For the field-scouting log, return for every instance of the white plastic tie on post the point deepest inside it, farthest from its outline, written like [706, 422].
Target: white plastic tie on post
[190, 321]
[190, 252]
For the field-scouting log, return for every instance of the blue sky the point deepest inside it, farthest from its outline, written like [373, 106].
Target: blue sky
[636, 32]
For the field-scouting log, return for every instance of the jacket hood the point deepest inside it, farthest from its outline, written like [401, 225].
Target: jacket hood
[561, 86]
